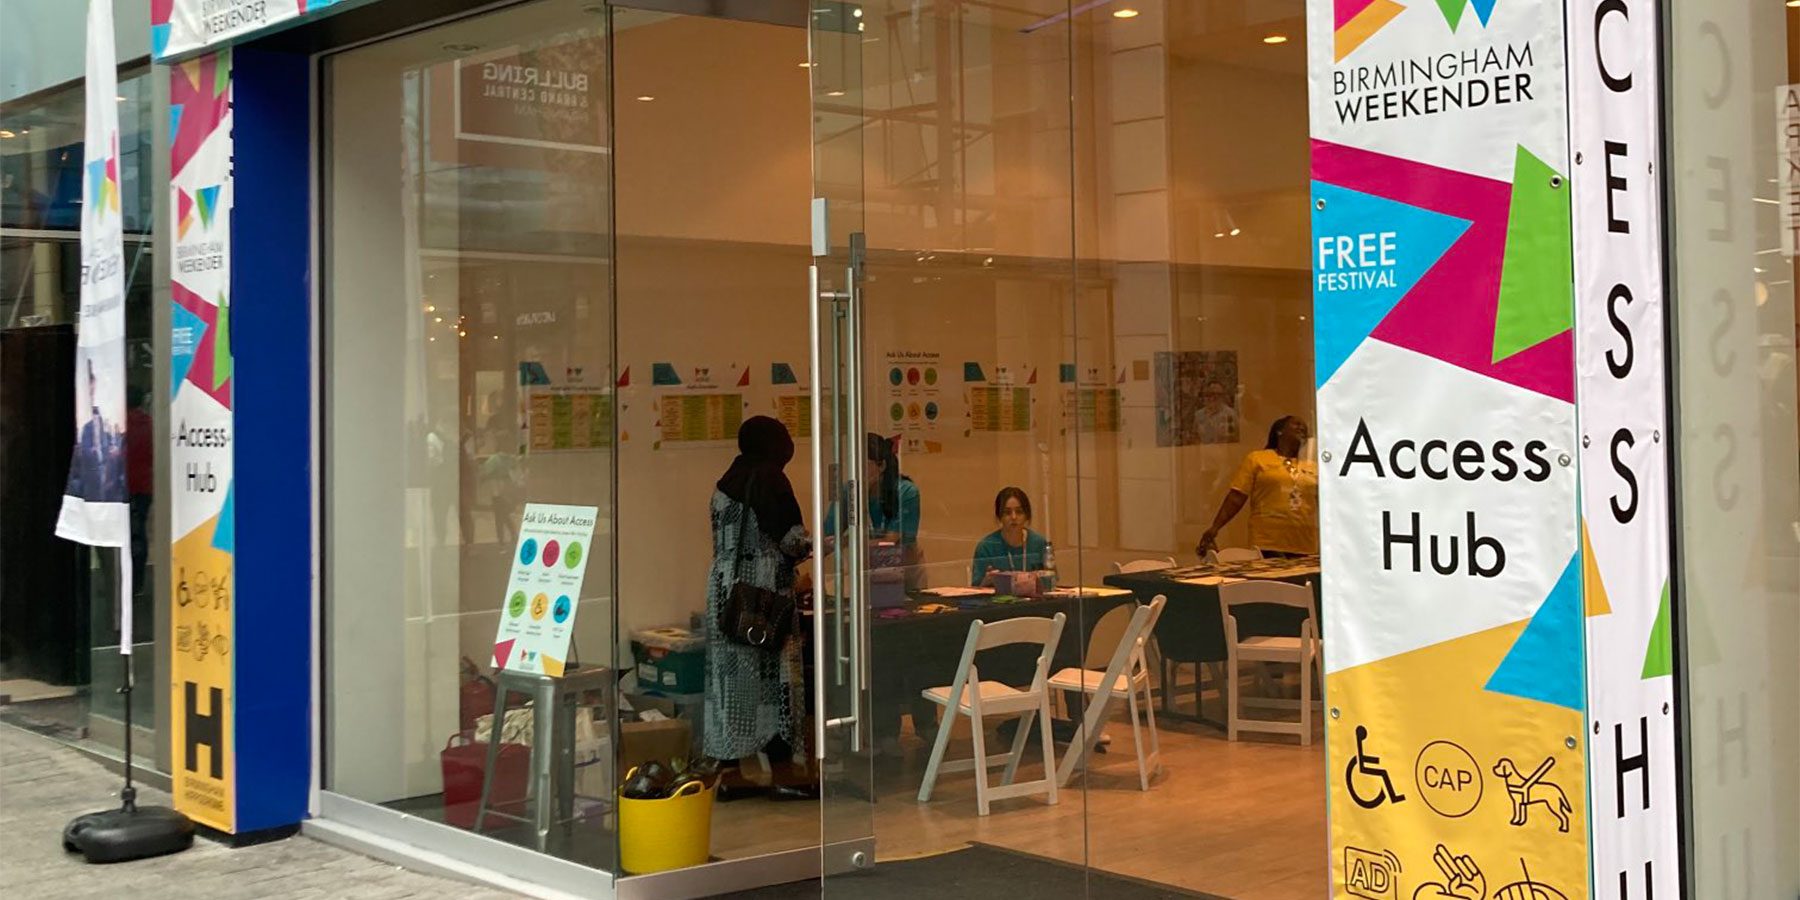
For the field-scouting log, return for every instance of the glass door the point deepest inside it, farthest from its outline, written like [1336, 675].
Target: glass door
[843, 739]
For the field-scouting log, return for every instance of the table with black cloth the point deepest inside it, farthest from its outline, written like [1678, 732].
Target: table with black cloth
[1192, 627]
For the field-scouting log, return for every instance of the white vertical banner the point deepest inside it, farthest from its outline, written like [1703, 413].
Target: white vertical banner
[95, 507]
[1615, 79]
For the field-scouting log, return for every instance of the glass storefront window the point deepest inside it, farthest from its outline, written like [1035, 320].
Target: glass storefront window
[60, 661]
[1733, 109]
[468, 204]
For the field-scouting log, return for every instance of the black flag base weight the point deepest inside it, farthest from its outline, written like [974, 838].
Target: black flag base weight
[129, 832]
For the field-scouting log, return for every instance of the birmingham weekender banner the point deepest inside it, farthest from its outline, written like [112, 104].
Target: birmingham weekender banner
[200, 455]
[1446, 402]
[181, 26]
[95, 507]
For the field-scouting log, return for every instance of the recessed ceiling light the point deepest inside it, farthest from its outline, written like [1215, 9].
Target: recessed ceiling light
[1235, 231]
[646, 98]
[1275, 39]
[1793, 2]
[1126, 13]
[1218, 234]
[806, 65]
[120, 98]
[6, 134]
[834, 93]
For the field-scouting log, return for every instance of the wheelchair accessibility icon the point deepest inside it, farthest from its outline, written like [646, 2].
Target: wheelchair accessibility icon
[1367, 768]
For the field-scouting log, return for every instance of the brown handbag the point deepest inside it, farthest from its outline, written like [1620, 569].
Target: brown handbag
[755, 616]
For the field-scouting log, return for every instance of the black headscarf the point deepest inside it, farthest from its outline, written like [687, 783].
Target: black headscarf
[757, 480]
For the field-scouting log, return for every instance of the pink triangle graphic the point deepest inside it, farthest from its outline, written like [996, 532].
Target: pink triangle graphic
[503, 652]
[1449, 314]
[1347, 10]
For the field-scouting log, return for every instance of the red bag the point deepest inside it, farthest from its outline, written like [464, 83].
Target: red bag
[464, 761]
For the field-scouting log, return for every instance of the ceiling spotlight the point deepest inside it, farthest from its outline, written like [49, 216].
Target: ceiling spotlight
[1793, 3]
[1275, 39]
[834, 93]
[1126, 13]
[806, 65]
[119, 97]
[645, 98]
[6, 134]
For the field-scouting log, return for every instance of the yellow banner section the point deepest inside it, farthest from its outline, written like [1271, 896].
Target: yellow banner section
[1443, 789]
[200, 679]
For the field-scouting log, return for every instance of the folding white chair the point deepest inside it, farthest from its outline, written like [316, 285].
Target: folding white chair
[968, 695]
[1144, 565]
[1128, 673]
[1233, 554]
[1301, 650]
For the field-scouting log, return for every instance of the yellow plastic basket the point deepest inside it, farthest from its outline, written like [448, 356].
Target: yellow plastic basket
[672, 833]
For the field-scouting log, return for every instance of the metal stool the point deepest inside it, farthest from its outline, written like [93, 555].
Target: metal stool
[553, 703]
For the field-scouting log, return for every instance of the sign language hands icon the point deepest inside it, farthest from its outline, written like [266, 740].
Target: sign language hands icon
[1463, 879]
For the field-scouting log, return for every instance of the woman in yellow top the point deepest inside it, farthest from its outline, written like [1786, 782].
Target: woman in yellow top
[1282, 491]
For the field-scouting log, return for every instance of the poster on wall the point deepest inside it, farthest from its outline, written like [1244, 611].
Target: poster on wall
[915, 399]
[1620, 369]
[1444, 350]
[1197, 398]
[1091, 402]
[1000, 404]
[200, 452]
[791, 404]
[94, 507]
[568, 417]
[543, 591]
[698, 405]
[182, 26]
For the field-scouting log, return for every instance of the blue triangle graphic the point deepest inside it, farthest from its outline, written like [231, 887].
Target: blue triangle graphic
[174, 121]
[1484, 10]
[1545, 663]
[159, 40]
[208, 198]
[225, 532]
[186, 331]
[1351, 298]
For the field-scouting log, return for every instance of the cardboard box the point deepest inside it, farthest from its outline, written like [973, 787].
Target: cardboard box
[665, 739]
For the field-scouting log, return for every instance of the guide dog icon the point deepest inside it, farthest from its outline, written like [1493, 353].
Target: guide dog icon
[1531, 790]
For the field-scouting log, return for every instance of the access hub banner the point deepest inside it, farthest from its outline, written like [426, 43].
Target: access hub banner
[202, 692]
[1445, 369]
[1614, 78]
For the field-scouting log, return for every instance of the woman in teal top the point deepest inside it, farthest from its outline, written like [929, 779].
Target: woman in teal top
[1015, 547]
[893, 498]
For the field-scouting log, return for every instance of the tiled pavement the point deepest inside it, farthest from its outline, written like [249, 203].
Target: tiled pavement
[44, 784]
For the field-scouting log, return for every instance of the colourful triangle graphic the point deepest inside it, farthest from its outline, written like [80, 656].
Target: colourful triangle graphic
[208, 198]
[1659, 657]
[625, 377]
[663, 374]
[1593, 589]
[503, 652]
[1544, 664]
[1345, 317]
[744, 377]
[1352, 32]
[1537, 294]
[159, 41]
[1453, 11]
[225, 531]
[186, 332]
[1484, 10]
[222, 345]
[552, 665]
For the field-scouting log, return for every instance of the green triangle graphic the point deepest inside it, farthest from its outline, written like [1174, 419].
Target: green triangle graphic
[1537, 294]
[222, 346]
[222, 75]
[1453, 11]
[1659, 658]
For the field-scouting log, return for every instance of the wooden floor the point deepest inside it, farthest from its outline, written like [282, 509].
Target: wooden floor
[1244, 820]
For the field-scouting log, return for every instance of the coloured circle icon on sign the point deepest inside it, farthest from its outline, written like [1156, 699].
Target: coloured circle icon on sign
[895, 376]
[551, 552]
[539, 605]
[515, 606]
[561, 612]
[528, 551]
[572, 556]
